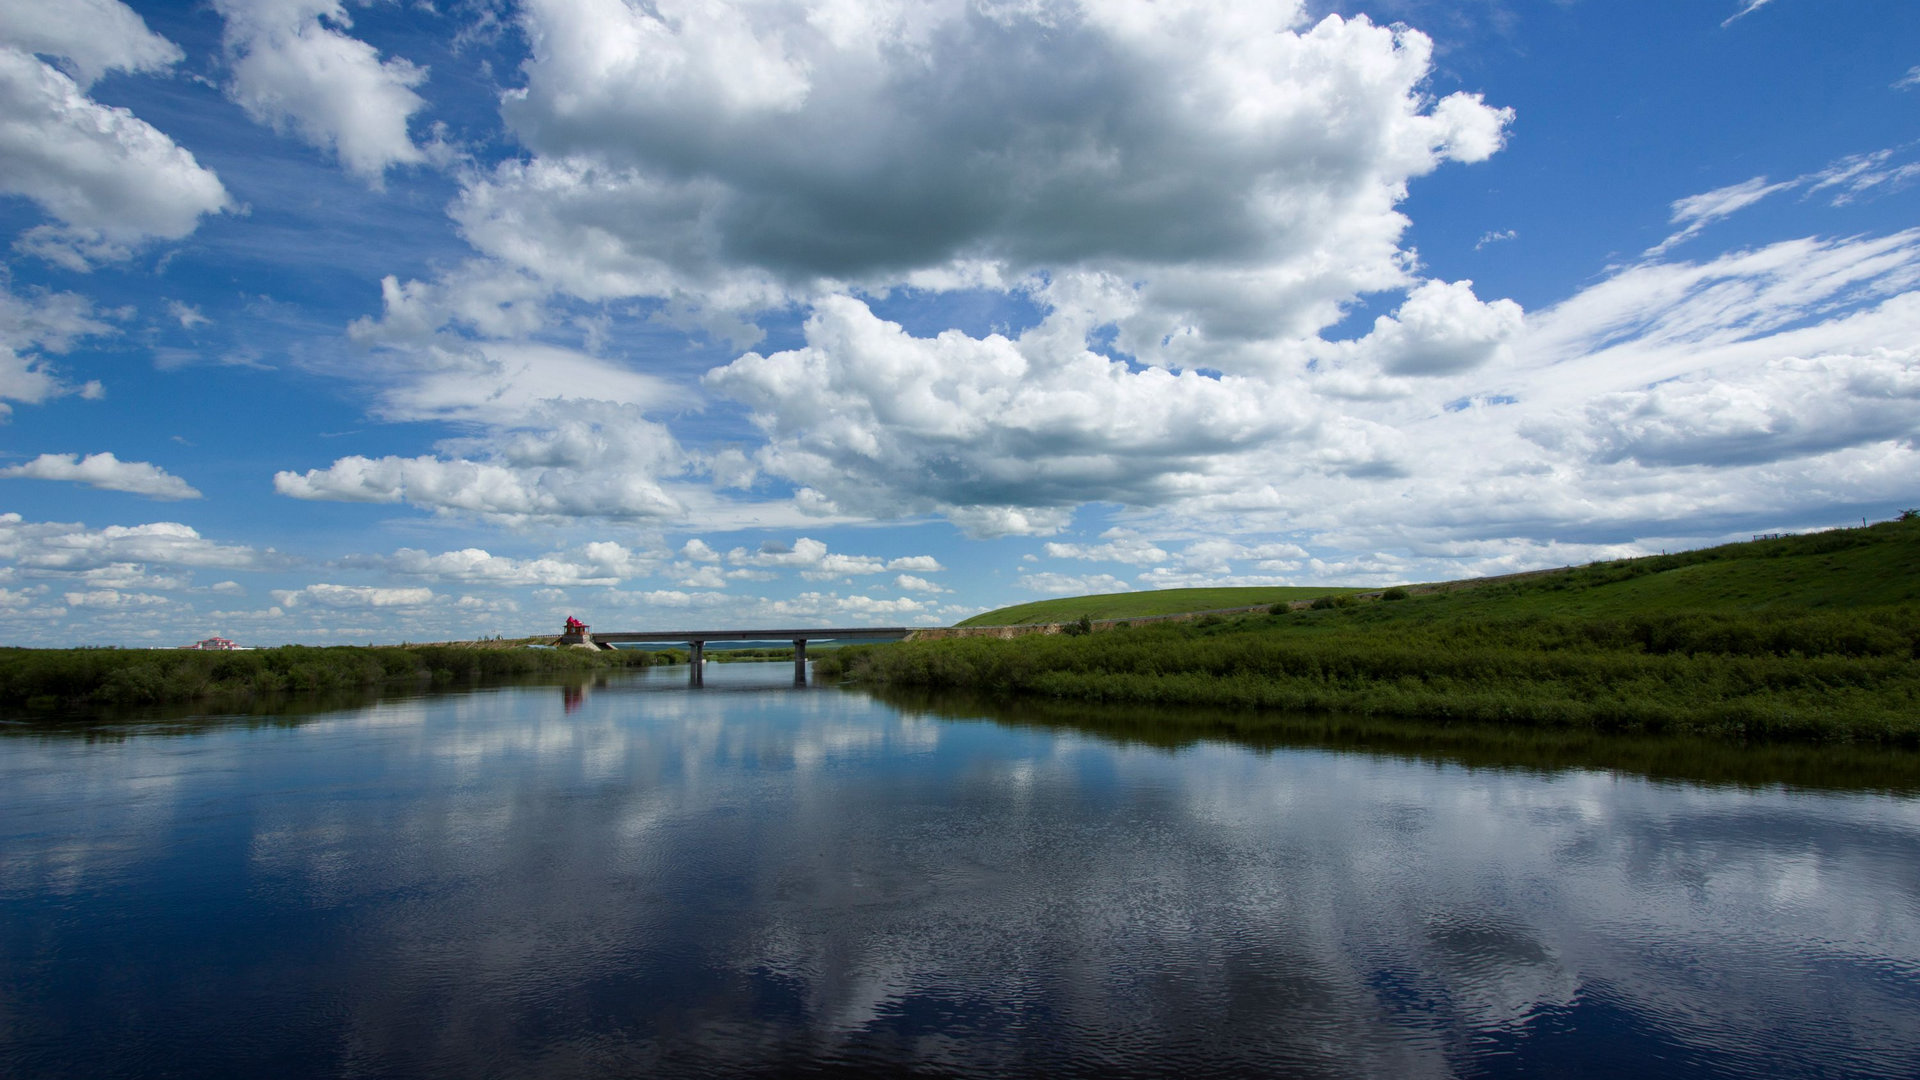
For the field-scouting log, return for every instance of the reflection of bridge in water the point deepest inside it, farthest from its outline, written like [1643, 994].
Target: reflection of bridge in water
[696, 641]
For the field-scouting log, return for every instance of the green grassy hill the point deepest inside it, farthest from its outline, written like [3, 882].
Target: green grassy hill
[1810, 637]
[1839, 570]
[1137, 605]
[1842, 570]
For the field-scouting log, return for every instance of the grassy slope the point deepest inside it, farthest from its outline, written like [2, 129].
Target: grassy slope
[1840, 571]
[1806, 637]
[1134, 605]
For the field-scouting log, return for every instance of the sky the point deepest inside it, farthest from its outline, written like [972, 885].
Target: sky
[349, 321]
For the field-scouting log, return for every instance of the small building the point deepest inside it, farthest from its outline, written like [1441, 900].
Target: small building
[218, 643]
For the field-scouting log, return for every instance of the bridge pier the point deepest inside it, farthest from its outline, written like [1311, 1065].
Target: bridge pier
[800, 661]
[698, 659]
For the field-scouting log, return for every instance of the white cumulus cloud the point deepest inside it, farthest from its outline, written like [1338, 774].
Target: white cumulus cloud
[113, 598]
[107, 472]
[1779, 408]
[1072, 584]
[1238, 163]
[57, 546]
[111, 179]
[886, 423]
[354, 596]
[294, 66]
[1188, 195]
[923, 563]
[484, 488]
[1126, 549]
[599, 563]
[1667, 399]
[588, 459]
[92, 37]
[1202, 186]
[816, 563]
[1441, 329]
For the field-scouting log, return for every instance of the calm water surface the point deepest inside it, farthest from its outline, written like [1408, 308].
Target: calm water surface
[639, 879]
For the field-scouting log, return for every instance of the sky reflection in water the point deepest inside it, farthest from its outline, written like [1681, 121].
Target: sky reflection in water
[754, 878]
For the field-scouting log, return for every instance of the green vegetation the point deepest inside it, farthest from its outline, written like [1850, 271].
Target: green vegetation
[60, 678]
[742, 656]
[1137, 605]
[1811, 637]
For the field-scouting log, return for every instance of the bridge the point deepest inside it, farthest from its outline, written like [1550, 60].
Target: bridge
[578, 633]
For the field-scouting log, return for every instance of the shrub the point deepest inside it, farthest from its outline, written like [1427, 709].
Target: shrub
[1837, 676]
[1395, 593]
[144, 677]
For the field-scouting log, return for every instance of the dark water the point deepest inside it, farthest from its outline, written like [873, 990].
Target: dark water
[636, 879]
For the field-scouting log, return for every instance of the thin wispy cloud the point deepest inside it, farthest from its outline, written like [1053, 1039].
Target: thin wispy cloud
[1752, 6]
[1842, 181]
[1695, 212]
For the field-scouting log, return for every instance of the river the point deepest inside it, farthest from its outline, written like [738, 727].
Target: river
[635, 877]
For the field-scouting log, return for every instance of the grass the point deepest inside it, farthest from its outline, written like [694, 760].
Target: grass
[746, 656]
[1136, 605]
[44, 679]
[1809, 638]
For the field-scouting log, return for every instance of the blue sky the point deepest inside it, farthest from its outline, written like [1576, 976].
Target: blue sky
[331, 321]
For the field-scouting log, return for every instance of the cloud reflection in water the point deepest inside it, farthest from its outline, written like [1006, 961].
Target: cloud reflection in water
[748, 877]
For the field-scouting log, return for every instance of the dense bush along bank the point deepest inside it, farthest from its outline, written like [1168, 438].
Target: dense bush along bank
[56, 677]
[1814, 637]
[1848, 679]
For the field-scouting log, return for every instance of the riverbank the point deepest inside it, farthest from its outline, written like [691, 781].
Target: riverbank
[37, 679]
[1811, 638]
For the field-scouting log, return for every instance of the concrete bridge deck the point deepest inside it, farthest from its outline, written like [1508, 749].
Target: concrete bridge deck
[696, 641]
